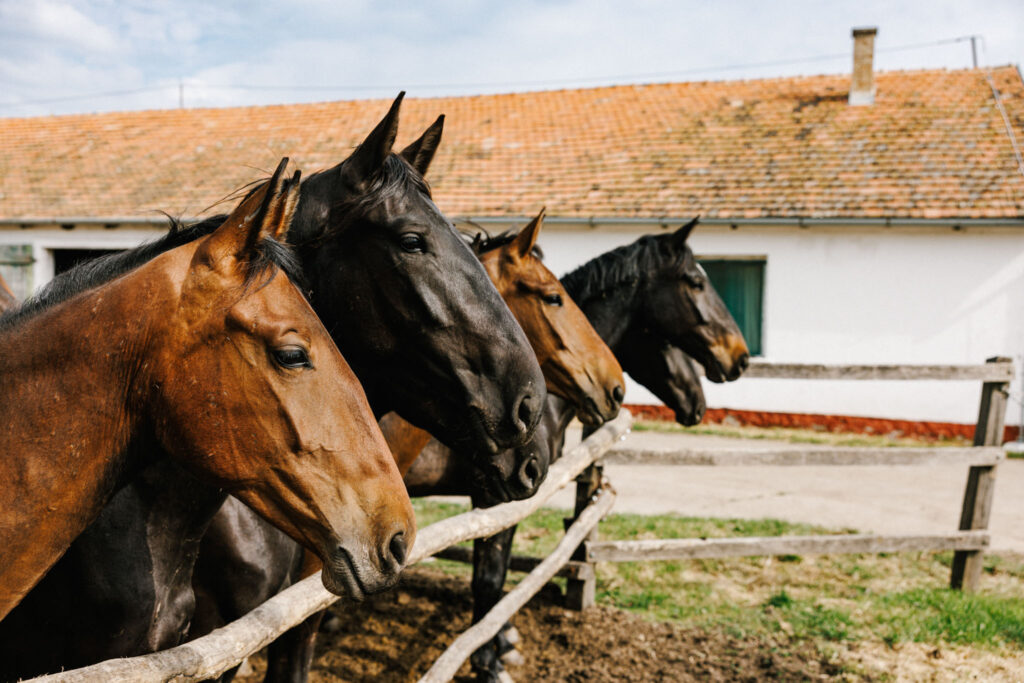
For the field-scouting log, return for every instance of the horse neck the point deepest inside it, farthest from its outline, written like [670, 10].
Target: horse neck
[613, 314]
[67, 418]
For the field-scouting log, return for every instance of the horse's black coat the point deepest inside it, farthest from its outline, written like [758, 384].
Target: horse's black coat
[611, 290]
[387, 309]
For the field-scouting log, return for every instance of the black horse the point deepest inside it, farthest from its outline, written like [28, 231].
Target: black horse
[415, 315]
[648, 300]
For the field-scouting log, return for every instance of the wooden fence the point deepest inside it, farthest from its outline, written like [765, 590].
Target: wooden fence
[212, 655]
[578, 552]
[969, 542]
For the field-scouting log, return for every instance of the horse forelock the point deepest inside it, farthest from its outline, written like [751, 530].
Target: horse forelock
[270, 257]
[395, 178]
[482, 241]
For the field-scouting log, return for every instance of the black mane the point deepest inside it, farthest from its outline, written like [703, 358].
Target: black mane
[648, 257]
[101, 270]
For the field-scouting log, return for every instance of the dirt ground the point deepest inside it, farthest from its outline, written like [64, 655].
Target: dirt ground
[397, 635]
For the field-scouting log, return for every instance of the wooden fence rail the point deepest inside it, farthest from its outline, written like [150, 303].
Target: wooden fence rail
[707, 548]
[809, 456]
[224, 648]
[969, 544]
[215, 653]
[484, 630]
[996, 370]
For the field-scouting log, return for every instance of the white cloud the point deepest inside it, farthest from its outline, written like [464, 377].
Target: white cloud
[67, 47]
[57, 23]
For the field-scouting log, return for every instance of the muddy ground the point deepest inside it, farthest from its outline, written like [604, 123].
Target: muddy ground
[397, 635]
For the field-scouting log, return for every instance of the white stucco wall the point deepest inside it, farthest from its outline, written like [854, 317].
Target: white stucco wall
[859, 295]
[832, 295]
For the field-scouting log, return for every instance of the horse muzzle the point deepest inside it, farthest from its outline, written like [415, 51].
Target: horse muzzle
[352, 575]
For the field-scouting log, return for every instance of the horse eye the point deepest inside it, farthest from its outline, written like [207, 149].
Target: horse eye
[698, 284]
[413, 243]
[552, 299]
[292, 357]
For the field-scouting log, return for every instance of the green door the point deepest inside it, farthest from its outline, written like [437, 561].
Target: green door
[740, 283]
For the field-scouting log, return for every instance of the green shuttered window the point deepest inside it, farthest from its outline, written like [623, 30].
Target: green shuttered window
[740, 283]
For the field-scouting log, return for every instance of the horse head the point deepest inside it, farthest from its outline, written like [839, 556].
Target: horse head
[667, 372]
[577, 365]
[682, 307]
[409, 304]
[249, 390]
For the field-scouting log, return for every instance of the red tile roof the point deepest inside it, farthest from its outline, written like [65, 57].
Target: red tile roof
[933, 145]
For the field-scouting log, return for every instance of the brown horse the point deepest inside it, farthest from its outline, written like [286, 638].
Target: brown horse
[211, 351]
[577, 365]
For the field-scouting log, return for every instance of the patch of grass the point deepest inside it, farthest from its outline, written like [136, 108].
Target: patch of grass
[429, 510]
[932, 615]
[780, 599]
[807, 436]
[899, 597]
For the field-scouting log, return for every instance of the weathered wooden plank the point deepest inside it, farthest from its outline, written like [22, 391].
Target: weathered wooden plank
[519, 563]
[988, 372]
[965, 573]
[215, 653]
[582, 593]
[446, 666]
[488, 521]
[811, 455]
[701, 548]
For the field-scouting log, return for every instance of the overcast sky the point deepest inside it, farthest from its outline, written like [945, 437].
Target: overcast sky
[68, 56]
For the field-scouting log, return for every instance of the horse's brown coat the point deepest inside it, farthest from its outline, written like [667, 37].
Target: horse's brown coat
[184, 347]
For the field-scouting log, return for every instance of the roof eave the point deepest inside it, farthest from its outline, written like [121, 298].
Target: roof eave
[671, 221]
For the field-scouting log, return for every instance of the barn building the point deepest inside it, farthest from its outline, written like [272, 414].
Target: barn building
[872, 219]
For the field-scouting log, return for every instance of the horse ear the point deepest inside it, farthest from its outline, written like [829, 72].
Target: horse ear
[680, 236]
[421, 152]
[527, 237]
[264, 213]
[371, 154]
[282, 209]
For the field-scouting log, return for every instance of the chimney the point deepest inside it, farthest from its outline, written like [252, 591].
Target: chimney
[862, 88]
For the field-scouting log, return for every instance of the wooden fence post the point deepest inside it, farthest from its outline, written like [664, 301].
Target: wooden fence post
[981, 482]
[581, 593]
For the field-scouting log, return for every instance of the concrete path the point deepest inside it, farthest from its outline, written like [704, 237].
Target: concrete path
[880, 499]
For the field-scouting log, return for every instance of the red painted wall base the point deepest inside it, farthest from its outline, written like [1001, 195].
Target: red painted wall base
[829, 423]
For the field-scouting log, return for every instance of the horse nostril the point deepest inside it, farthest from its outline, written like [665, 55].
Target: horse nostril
[396, 546]
[618, 393]
[527, 413]
[530, 472]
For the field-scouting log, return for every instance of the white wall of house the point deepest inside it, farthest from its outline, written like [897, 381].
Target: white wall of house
[858, 295]
[832, 295]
